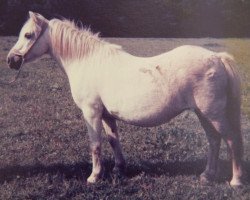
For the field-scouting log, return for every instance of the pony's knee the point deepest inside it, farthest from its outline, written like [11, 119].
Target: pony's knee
[95, 148]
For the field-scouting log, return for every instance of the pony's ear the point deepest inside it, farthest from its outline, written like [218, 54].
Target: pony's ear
[37, 18]
[31, 14]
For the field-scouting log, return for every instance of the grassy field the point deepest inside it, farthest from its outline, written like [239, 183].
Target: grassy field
[44, 152]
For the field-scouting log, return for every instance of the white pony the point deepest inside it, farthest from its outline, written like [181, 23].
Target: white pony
[108, 84]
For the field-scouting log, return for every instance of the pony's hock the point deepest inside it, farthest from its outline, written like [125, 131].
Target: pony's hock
[109, 84]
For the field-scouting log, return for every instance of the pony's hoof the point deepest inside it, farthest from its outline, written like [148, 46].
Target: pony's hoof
[119, 171]
[236, 183]
[92, 179]
[206, 179]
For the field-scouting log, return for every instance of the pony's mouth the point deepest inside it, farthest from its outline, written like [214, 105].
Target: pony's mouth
[15, 61]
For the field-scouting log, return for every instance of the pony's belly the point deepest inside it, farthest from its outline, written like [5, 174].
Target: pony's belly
[148, 108]
[152, 121]
[147, 118]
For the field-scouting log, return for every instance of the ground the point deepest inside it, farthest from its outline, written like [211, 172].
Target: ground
[44, 149]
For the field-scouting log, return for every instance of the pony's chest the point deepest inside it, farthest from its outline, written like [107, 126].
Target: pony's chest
[82, 90]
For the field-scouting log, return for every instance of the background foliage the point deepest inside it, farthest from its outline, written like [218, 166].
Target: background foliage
[138, 18]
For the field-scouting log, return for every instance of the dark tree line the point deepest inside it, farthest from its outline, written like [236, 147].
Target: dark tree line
[138, 18]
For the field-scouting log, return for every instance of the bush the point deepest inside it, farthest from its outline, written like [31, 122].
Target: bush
[138, 18]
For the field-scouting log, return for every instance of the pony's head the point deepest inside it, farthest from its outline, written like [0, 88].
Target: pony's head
[32, 41]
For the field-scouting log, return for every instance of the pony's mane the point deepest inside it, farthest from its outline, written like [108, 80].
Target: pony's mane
[71, 42]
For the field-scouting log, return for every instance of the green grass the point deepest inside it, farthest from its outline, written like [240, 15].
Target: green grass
[44, 152]
[240, 50]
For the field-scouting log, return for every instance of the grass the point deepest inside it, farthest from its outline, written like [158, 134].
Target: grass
[240, 49]
[44, 152]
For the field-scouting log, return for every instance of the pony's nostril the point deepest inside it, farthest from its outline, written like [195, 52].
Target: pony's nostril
[14, 61]
[8, 60]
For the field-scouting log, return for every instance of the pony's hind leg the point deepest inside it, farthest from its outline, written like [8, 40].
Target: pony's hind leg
[214, 140]
[110, 128]
[233, 139]
[234, 142]
[235, 148]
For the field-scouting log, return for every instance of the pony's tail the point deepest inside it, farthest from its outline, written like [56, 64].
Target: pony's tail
[234, 94]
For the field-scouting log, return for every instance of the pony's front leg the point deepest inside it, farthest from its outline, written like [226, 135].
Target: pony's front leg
[92, 116]
[110, 128]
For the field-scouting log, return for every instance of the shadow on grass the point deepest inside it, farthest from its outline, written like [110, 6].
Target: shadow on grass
[79, 170]
[186, 169]
[82, 170]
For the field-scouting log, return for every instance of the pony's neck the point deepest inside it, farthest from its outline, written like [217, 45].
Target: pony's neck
[72, 44]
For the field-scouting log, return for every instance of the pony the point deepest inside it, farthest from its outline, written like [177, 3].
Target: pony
[109, 84]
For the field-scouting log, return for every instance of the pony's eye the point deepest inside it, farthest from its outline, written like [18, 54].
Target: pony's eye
[28, 35]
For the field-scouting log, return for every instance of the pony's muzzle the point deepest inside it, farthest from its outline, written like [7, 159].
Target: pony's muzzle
[14, 61]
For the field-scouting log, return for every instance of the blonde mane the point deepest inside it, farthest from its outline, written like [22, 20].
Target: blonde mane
[71, 42]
